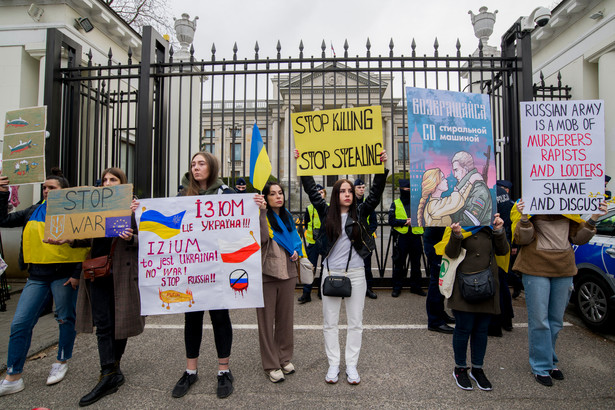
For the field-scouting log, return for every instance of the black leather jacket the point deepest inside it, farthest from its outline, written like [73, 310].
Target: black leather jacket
[367, 244]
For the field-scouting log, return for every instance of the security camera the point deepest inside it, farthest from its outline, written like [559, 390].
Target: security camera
[539, 17]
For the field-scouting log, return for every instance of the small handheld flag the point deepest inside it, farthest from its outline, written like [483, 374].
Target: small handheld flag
[260, 166]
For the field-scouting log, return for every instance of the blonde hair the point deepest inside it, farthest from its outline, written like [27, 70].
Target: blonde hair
[431, 179]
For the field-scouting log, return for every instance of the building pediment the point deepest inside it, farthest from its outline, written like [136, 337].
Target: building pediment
[334, 74]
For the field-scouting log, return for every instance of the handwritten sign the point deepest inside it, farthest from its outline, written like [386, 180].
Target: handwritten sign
[199, 253]
[452, 168]
[88, 212]
[562, 156]
[23, 153]
[333, 142]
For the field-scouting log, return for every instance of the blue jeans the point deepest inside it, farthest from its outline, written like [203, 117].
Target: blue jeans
[473, 327]
[34, 297]
[546, 300]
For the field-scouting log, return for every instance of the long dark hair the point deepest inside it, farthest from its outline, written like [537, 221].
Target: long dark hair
[116, 172]
[333, 225]
[285, 216]
[214, 168]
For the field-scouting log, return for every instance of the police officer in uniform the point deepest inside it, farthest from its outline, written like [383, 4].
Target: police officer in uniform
[406, 241]
[312, 227]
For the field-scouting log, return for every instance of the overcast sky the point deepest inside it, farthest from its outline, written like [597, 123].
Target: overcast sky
[290, 21]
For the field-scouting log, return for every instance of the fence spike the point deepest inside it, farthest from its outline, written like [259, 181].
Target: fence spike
[256, 48]
[89, 54]
[279, 48]
[480, 47]
[213, 51]
[191, 53]
[323, 47]
[346, 48]
[301, 49]
[235, 51]
[171, 52]
[110, 55]
[559, 78]
[129, 55]
[435, 47]
[368, 46]
[413, 46]
[391, 46]
[542, 79]
[458, 46]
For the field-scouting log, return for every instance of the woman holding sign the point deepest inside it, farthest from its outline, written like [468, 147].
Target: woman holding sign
[346, 242]
[54, 269]
[281, 247]
[202, 179]
[112, 302]
[546, 261]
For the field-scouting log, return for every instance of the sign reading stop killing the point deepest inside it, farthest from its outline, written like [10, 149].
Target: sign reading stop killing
[562, 156]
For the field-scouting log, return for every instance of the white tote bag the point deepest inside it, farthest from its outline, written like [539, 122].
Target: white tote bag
[448, 269]
[305, 271]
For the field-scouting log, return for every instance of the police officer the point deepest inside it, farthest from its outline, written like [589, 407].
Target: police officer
[312, 227]
[241, 186]
[406, 241]
[359, 192]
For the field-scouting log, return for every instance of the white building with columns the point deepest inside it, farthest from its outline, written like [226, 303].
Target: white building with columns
[579, 42]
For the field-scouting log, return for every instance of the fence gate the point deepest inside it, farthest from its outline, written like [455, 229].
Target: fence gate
[148, 117]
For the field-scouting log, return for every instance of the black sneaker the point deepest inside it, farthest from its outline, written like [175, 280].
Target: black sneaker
[478, 375]
[461, 378]
[305, 298]
[556, 374]
[544, 380]
[183, 385]
[225, 385]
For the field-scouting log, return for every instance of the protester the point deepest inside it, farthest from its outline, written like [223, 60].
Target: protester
[546, 262]
[505, 205]
[372, 219]
[345, 241]
[202, 179]
[472, 317]
[281, 248]
[112, 302]
[406, 242]
[240, 186]
[312, 227]
[54, 268]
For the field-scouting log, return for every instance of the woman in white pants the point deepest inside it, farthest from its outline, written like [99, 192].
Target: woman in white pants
[345, 241]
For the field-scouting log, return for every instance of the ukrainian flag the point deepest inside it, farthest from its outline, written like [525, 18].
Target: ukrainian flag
[515, 217]
[164, 226]
[260, 166]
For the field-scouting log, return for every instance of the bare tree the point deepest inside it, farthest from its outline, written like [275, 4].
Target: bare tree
[139, 13]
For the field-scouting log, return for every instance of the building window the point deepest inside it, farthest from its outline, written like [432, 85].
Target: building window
[209, 134]
[401, 131]
[236, 151]
[236, 132]
[263, 132]
[402, 150]
[207, 147]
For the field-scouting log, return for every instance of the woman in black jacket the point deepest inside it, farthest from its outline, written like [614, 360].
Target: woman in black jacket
[345, 241]
[54, 268]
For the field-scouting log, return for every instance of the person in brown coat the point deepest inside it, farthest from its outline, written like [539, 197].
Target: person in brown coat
[281, 247]
[472, 318]
[111, 303]
[546, 261]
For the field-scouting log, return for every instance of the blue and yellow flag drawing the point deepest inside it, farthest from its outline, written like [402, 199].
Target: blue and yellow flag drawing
[164, 226]
[37, 251]
[515, 217]
[260, 166]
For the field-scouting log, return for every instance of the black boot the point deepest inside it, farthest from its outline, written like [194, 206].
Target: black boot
[108, 383]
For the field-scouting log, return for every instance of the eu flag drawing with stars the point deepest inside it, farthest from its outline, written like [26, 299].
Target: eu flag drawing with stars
[260, 166]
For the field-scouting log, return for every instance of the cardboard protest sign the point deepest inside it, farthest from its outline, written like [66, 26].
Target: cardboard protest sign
[562, 156]
[23, 153]
[199, 253]
[334, 142]
[88, 212]
[452, 169]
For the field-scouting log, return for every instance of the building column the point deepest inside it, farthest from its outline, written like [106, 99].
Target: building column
[606, 92]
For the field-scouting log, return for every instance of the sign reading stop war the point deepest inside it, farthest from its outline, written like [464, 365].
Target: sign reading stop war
[88, 212]
[562, 156]
[333, 142]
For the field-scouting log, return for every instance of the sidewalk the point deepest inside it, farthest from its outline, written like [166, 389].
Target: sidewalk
[402, 365]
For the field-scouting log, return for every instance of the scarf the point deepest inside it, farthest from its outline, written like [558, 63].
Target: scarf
[289, 240]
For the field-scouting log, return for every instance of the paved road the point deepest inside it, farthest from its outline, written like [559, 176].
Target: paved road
[402, 365]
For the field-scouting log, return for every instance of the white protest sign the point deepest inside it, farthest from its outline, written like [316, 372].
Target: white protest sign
[199, 253]
[562, 156]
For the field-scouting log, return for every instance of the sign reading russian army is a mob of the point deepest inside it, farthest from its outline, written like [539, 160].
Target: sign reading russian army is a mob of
[199, 253]
[88, 212]
[562, 156]
[336, 142]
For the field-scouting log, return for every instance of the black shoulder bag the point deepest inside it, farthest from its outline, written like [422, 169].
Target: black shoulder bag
[338, 286]
[477, 287]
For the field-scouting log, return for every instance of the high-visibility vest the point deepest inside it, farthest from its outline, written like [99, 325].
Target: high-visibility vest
[314, 224]
[400, 213]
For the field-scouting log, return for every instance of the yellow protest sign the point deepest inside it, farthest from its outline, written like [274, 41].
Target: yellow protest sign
[334, 142]
[88, 212]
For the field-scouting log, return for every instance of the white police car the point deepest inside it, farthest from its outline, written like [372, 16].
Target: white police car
[594, 293]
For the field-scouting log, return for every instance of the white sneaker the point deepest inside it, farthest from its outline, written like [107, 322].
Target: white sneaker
[7, 387]
[288, 369]
[332, 374]
[57, 373]
[352, 375]
[276, 376]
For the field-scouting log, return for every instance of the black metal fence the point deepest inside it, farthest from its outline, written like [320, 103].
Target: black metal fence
[149, 117]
